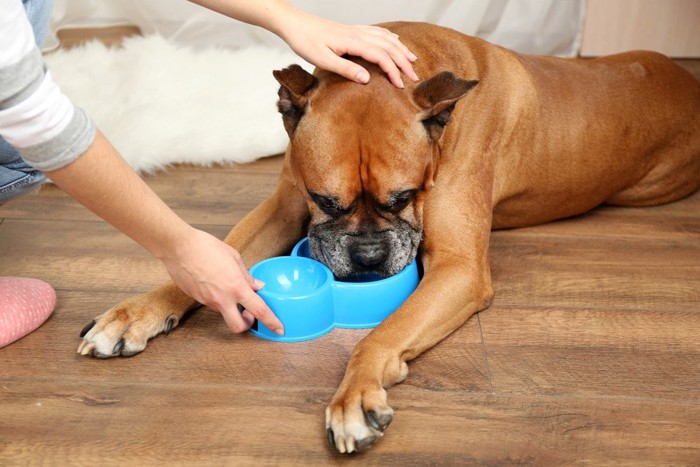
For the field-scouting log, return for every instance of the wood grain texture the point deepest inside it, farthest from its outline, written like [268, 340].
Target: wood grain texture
[589, 355]
[110, 36]
[199, 194]
[176, 424]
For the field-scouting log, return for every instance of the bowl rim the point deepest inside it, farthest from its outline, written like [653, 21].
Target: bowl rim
[386, 281]
[328, 282]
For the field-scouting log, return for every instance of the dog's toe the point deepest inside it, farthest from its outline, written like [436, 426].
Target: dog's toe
[364, 444]
[357, 419]
[125, 330]
[380, 421]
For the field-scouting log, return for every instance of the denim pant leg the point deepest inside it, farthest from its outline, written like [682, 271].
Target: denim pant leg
[16, 176]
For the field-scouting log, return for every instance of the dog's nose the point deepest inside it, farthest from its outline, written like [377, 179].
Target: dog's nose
[368, 254]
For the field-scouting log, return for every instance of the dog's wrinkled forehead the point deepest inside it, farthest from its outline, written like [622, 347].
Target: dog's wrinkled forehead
[351, 144]
[347, 138]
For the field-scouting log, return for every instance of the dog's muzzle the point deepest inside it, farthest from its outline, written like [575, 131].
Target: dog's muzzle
[348, 254]
[368, 252]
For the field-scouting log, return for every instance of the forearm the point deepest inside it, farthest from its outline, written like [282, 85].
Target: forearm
[103, 182]
[268, 14]
[202, 266]
[322, 42]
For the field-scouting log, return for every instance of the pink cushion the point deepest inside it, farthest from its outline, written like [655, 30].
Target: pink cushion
[24, 306]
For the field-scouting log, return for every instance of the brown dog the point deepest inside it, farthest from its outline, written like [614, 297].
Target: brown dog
[490, 139]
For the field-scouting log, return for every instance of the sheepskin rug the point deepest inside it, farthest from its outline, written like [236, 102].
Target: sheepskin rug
[161, 104]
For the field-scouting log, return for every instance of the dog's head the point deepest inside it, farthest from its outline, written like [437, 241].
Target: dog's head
[364, 157]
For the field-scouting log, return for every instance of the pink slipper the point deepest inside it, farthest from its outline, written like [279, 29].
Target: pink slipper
[24, 306]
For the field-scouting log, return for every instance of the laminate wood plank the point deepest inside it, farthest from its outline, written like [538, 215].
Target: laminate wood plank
[80, 255]
[584, 272]
[675, 221]
[223, 195]
[219, 195]
[123, 423]
[203, 351]
[693, 66]
[641, 354]
[110, 36]
[589, 353]
[527, 268]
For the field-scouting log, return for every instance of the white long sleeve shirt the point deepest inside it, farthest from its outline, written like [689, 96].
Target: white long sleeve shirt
[35, 116]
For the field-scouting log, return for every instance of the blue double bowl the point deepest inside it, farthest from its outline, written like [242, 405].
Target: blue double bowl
[310, 301]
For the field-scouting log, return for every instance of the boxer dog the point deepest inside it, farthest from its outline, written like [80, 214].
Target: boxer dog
[489, 139]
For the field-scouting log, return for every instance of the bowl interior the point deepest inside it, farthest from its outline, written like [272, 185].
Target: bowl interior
[292, 276]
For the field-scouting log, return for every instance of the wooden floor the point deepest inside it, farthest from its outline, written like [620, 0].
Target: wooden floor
[590, 353]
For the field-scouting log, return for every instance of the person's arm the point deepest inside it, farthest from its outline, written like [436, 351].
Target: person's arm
[202, 266]
[322, 42]
[60, 140]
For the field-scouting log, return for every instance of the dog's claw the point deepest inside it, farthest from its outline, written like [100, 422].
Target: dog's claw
[118, 347]
[87, 328]
[372, 419]
[365, 444]
[86, 348]
[101, 355]
[378, 422]
[331, 437]
[169, 323]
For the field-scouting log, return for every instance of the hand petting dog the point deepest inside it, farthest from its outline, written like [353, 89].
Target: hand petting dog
[322, 42]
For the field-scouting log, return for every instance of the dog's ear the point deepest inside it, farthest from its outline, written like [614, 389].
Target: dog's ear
[437, 97]
[296, 83]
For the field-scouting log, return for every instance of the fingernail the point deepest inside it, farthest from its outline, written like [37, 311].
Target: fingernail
[279, 331]
[412, 56]
[362, 76]
[415, 76]
[259, 284]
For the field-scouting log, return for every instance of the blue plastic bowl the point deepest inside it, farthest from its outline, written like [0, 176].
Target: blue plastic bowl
[310, 302]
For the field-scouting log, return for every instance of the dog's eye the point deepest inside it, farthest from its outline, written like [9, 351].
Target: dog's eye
[399, 200]
[328, 204]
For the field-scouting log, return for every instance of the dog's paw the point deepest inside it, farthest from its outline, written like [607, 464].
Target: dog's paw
[125, 329]
[357, 418]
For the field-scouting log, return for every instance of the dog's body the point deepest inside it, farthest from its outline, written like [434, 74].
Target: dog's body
[377, 175]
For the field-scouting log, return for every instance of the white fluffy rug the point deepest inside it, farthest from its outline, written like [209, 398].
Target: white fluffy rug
[162, 104]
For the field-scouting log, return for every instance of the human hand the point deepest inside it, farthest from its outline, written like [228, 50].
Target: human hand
[205, 268]
[213, 273]
[322, 42]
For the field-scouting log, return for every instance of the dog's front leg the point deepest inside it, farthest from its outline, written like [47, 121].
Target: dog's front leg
[456, 284]
[271, 229]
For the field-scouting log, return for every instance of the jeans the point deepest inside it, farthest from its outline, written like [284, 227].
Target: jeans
[16, 176]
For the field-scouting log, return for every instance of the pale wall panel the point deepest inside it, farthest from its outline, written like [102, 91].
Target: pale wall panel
[668, 26]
